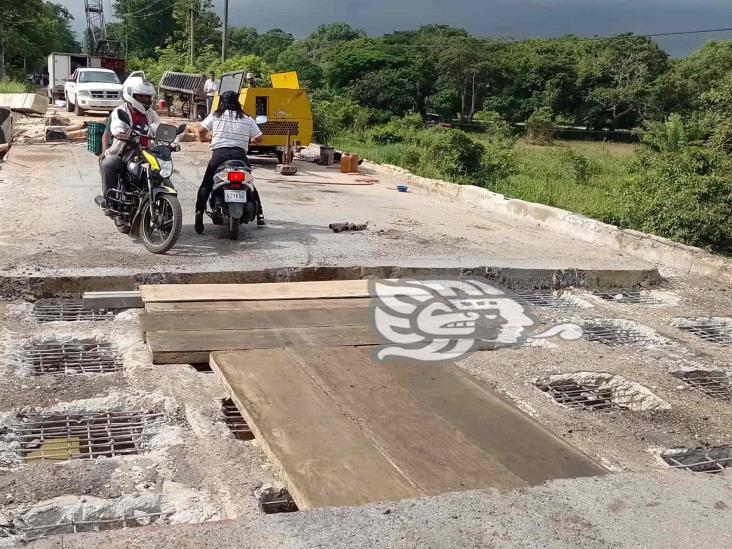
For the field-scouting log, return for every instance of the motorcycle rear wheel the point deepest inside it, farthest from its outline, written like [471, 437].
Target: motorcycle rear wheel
[234, 227]
[160, 237]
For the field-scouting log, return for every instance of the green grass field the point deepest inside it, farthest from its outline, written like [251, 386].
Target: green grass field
[547, 175]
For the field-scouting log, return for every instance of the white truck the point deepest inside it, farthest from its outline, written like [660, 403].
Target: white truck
[61, 66]
[92, 90]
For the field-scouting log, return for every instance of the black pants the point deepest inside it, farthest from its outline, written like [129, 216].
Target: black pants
[218, 157]
[111, 168]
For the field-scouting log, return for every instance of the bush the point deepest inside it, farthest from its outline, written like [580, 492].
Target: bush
[11, 86]
[683, 195]
[498, 162]
[398, 130]
[579, 164]
[452, 152]
[494, 125]
[540, 127]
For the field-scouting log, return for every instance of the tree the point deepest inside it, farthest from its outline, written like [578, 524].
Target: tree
[243, 40]
[336, 32]
[140, 32]
[207, 26]
[296, 58]
[391, 90]
[272, 43]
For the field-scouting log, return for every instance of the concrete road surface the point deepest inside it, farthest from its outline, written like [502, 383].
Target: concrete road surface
[49, 223]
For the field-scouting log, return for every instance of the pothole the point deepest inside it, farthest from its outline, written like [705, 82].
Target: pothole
[235, 421]
[63, 437]
[71, 357]
[712, 329]
[599, 392]
[67, 310]
[700, 460]
[277, 500]
[621, 333]
[637, 297]
[714, 383]
[202, 368]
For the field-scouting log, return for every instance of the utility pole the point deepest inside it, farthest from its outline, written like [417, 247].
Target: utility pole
[226, 27]
[2, 52]
[193, 24]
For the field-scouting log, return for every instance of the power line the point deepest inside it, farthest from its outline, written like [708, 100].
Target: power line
[151, 5]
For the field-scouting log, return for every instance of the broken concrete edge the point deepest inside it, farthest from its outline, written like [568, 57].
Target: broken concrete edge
[654, 249]
[24, 102]
[508, 277]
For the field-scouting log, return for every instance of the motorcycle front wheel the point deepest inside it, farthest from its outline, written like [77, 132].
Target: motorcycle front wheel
[160, 234]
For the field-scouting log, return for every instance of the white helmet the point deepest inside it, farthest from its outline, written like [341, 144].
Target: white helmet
[139, 93]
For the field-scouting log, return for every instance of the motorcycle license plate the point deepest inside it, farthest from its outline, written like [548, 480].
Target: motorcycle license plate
[235, 196]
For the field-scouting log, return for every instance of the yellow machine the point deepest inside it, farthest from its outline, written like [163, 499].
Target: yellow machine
[290, 120]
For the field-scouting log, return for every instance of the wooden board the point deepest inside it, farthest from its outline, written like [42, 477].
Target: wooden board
[322, 455]
[424, 447]
[439, 428]
[491, 422]
[268, 291]
[289, 304]
[247, 320]
[194, 347]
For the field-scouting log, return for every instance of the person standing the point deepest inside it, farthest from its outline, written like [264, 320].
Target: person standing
[210, 88]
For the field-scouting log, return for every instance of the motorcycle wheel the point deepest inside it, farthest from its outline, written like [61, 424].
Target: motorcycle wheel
[234, 228]
[160, 237]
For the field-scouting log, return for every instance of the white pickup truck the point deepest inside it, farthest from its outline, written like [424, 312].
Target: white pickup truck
[92, 90]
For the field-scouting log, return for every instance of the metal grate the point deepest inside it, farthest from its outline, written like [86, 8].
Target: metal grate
[544, 300]
[585, 397]
[700, 460]
[715, 384]
[235, 421]
[31, 533]
[80, 436]
[74, 357]
[615, 335]
[276, 127]
[629, 297]
[714, 331]
[277, 501]
[67, 310]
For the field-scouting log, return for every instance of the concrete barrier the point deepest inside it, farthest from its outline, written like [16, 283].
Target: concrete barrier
[24, 102]
[654, 249]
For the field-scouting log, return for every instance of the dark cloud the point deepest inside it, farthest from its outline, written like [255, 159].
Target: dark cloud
[496, 18]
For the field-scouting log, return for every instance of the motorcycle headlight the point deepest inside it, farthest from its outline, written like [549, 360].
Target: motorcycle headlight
[166, 168]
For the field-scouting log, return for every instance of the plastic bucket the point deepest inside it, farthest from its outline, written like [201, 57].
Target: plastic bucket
[94, 132]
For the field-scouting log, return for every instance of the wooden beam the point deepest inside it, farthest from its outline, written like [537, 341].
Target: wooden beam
[289, 304]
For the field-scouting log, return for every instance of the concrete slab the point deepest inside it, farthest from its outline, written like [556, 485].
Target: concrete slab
[24, 102]
[64, 230]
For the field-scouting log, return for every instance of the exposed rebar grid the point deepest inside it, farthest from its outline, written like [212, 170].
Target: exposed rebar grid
[700, 460]
[584, 397]
[72, 357]
[709, 330]
[715, 384]
[544, 300]
[234, 420]
[614, 335]
[72, 527]
[81, 436]
[67, 310]
[629, 297]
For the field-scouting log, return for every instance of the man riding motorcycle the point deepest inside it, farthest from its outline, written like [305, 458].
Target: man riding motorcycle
[138, 94]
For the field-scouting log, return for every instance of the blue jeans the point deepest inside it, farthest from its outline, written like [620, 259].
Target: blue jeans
[209, 104]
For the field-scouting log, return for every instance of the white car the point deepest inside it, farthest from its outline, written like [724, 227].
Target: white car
[92, 90]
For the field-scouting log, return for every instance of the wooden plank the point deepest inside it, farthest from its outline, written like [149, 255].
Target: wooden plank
[256, 292]
[323, 457]
[492, 423]
[195, 346]
[424, 447]
[112, 300]
[289, 304]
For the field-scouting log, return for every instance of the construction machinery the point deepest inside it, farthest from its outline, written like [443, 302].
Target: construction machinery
[286, 106]
[99, 43]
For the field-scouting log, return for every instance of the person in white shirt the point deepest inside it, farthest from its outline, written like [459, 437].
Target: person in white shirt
[210, 88]
[231, 132]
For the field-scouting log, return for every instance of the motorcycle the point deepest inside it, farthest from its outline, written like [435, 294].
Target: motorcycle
[232, 199]
[145, 203]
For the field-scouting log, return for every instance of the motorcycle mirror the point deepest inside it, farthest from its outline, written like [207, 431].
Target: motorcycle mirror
[181, 129]
[261, 120]
[123, 117]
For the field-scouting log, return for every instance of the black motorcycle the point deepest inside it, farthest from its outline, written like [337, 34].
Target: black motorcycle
[145, 202]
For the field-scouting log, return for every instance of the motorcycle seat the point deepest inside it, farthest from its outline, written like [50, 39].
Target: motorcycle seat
[233, 165]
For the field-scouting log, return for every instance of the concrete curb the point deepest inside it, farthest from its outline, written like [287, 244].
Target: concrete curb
[654, 249]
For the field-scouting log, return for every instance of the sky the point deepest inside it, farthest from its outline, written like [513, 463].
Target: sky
[486, 18]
